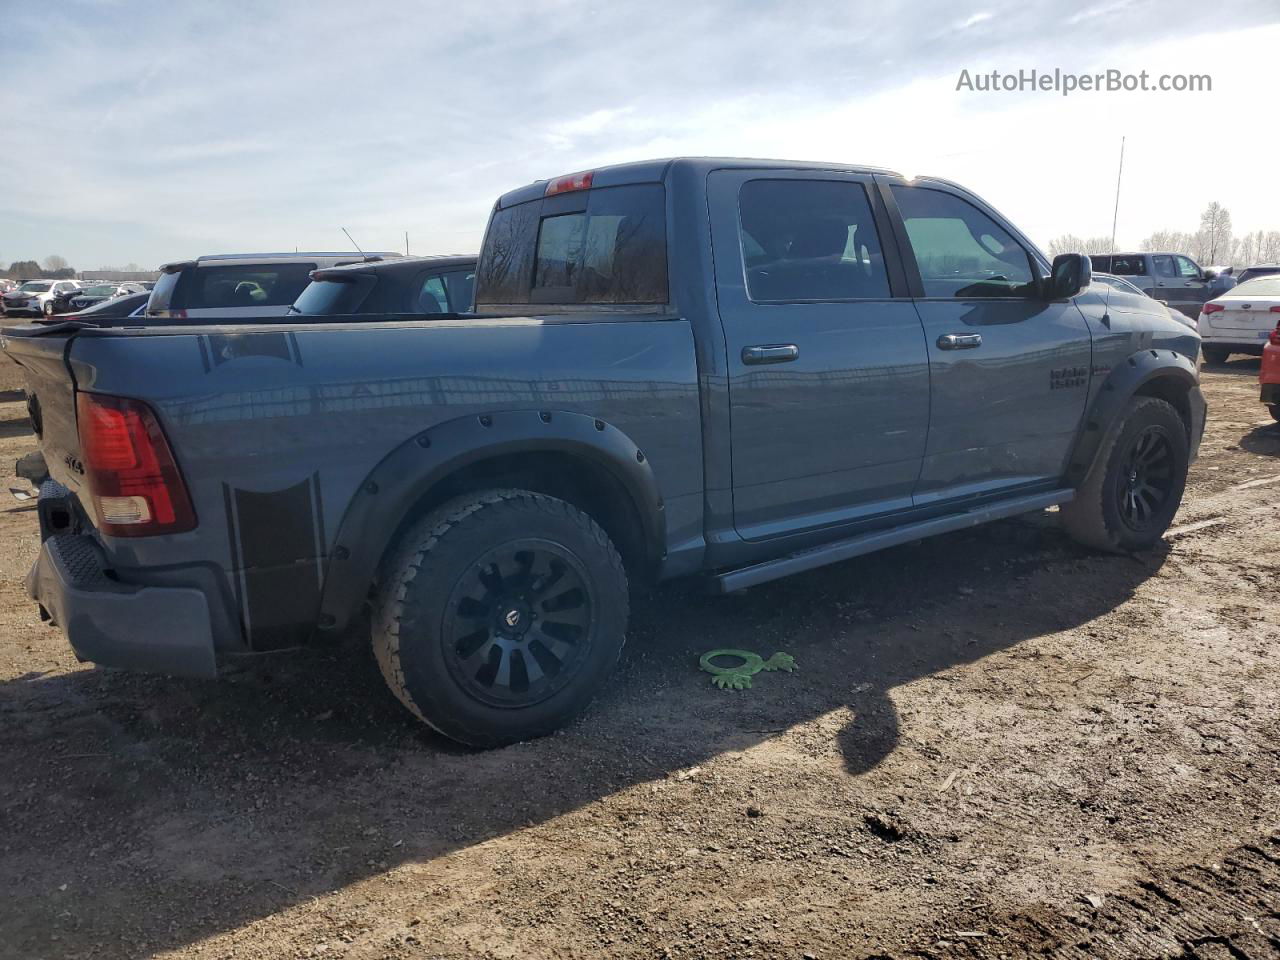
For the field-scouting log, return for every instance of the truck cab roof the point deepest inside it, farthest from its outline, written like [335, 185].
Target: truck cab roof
[652, 171]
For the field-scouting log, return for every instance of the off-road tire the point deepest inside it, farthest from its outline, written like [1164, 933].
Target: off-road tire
[1215, 355]
[412, 607]
[1094, 517]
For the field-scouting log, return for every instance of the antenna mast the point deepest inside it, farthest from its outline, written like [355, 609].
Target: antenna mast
[353, 243]
[1115, 216]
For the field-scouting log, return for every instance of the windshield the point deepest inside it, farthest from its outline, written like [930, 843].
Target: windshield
[1257, 287]
[36, 286]
[101, 290]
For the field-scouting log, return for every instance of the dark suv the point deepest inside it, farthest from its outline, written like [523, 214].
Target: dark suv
[1173, 278]
[410, 285]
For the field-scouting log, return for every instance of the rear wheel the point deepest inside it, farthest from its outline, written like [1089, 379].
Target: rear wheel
[1275, 411]
[1215, 354]
[48, 308]
[1135, 486]
[500, 616]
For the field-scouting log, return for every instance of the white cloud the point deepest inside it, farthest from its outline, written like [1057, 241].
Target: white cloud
[195, 132]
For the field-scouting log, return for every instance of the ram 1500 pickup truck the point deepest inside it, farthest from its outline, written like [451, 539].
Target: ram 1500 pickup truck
[728, 368]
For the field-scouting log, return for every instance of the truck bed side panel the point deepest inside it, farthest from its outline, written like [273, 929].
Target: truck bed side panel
[275, 430]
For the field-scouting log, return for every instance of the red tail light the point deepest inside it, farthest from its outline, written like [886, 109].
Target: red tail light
[1275, 309]
[137, 488]
[1213, 308]
[575, 181]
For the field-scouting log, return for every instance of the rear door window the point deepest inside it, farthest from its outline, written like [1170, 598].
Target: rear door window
[1128, 266]
[1164, 266]
[220, 287]
[810, 240]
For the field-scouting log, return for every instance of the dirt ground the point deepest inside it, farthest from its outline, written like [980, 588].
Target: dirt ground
[997, 744]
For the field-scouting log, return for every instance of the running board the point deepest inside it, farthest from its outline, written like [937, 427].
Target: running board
[810, 559]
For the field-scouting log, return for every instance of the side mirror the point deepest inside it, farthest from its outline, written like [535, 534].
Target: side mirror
[1072, 274]
[1210, 274]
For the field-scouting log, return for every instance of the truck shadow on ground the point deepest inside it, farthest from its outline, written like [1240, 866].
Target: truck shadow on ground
[1244, 366]
[1263, 440]
[143, 814]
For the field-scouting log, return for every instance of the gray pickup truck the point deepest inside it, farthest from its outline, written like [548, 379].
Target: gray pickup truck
[727, 368]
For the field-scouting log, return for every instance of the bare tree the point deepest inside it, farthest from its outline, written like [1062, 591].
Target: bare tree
[1213, 239]
[1168, 241]
[1096, 245]
[53, 262]
[1067, 243]
[1269, 247]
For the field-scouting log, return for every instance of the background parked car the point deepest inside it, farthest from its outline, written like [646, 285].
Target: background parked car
[1172, 277]
[33, 296]
[130, 305]
[97, 293]
[240, 284]
[1118, 283]
[403, 285]
[1240, 321]
[1261, 270]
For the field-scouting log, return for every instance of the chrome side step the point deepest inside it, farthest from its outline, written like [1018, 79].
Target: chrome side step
[815, 557]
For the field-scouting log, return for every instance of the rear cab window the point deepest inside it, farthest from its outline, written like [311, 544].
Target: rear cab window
[227, 286]
[323, 298]
[606, 245]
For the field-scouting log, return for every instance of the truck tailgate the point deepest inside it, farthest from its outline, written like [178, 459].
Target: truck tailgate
[50, 397]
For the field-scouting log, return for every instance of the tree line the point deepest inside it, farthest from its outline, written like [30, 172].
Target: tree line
[54, 267]
[1212, 244]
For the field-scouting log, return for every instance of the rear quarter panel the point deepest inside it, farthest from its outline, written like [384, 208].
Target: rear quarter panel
[275, 429]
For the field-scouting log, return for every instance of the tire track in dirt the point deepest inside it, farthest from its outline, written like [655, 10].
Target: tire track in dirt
[1202, 911]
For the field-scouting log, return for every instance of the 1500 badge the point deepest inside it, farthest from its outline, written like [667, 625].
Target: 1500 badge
[1066, 377]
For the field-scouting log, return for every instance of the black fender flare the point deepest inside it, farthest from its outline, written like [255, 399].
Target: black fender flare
[406, 475]
[1124, 381]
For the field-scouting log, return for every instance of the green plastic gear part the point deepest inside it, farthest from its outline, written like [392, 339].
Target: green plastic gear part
[739, 677]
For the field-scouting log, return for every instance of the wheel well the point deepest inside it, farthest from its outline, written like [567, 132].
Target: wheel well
[1175, 392]
[588, 485]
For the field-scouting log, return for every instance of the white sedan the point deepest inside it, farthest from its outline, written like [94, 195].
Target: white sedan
[1241, 320]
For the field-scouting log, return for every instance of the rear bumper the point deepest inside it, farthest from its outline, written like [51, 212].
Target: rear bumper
[1235, 342]
[153, 629]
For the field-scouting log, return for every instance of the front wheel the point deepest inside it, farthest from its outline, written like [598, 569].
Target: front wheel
[1275, 410]
[48, 308]
[1135, 485]
[1215, 355]
[500, 616]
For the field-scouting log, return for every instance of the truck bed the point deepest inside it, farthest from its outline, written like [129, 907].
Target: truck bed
[278, 426]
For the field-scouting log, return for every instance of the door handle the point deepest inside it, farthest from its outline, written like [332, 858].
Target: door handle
[770, 353]
[959, 341]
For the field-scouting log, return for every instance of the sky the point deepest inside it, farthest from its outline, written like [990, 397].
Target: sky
[143, 132]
